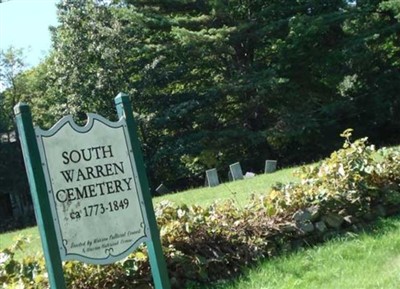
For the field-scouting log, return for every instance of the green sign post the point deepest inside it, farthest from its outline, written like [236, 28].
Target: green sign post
[90, 191]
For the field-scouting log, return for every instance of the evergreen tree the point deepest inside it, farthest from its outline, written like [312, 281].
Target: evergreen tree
[215, 82]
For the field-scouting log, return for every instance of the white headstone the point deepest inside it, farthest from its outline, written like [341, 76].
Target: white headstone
[236, 171]
[270, 166]
[212, 179]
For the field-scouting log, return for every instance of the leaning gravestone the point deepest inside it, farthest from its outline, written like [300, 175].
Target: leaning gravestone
[162, 190]
[212, 179]
[270, 166]
[236, 171]
[90, 191]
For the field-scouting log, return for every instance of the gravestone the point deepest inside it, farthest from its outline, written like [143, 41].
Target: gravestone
[249, 175]
[212, 179]
[270, 166]
[162, 190]
[235, 171]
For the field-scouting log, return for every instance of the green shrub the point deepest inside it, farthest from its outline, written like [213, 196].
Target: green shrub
[387, 176]
[350, 178]
[29, 273]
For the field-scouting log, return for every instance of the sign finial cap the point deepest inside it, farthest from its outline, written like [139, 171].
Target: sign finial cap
[21, 107]
[121, 97]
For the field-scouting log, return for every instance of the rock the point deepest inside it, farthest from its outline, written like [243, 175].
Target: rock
[174, 282]
[329, 235]
[321, 227]
[333, 220]
[297, 244]
[356, 228]
[369, 216]
[286, 247]
[306, 227]
[351, 219]
[288, 227]
[315, 213]
[302, 216]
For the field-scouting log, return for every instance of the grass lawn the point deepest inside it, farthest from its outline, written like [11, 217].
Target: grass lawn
[240, 191]
[32, 234]
[366, 261]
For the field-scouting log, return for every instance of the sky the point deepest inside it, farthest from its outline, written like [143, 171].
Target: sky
[25, 24]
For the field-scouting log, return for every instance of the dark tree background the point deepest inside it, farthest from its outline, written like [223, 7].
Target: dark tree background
[215, 82]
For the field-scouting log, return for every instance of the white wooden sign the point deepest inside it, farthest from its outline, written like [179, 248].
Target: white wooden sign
[94, 192]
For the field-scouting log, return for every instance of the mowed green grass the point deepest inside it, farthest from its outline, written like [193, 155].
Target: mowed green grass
[366, 261]
[239, 191]
[33, 245]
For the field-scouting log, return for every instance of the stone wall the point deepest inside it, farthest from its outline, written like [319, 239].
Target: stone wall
[312, 225]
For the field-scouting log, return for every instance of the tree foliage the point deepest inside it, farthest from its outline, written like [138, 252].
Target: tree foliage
[214, 82]
[11, 66]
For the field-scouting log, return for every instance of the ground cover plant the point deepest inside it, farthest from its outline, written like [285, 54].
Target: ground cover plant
[207, 244]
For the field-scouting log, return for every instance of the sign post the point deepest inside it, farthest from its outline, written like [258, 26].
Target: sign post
[157, 262]
[40, 196]
[89, 185]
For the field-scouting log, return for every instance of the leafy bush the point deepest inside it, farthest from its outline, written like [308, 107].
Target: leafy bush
[351, 178]
[28, 273]
[202, 245]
